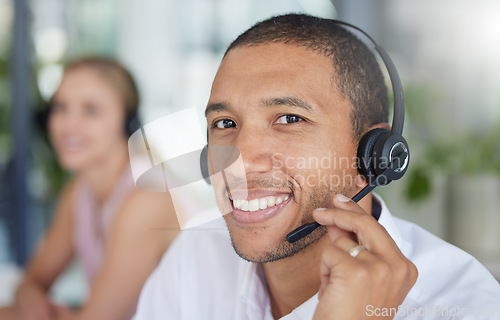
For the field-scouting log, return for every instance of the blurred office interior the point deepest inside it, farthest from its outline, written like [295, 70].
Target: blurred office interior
[447, 53]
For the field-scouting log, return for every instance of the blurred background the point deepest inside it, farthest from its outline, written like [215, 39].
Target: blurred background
[447, 53]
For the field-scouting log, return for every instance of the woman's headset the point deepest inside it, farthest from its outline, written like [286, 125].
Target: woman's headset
[131, 124]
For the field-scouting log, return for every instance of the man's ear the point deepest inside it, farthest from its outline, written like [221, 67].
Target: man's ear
[383, 125]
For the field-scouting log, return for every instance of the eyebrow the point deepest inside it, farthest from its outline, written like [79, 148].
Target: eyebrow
[289, 101]
[278, 101]
[216, 107]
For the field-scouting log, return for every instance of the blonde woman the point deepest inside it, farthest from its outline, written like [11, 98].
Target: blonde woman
[116, 231]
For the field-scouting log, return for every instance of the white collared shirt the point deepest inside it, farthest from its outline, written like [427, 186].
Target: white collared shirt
[201, 277]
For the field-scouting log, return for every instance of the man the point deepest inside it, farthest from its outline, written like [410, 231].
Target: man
[294, 94]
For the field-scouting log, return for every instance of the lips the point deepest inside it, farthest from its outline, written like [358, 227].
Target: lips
[258, 206]
[71, 144]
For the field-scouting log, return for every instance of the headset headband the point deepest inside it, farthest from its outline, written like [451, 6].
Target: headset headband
[397, 87]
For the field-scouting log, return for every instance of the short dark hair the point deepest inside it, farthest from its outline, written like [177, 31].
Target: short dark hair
[358, 74]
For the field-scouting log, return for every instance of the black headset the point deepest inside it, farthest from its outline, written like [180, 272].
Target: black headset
[380, 147]
[132, 123]
[383, 155]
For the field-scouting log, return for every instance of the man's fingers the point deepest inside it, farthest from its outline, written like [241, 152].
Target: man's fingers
[350, 217]
[368, 267]
[339, 255]
[351, 248]
[339, 268]
[346, 245]
[368, 231]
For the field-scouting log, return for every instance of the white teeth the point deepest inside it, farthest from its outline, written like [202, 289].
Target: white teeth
[253, 205]
[258, 204]
[244, 205]
[271, 201]
[262, 203]
[237, 203]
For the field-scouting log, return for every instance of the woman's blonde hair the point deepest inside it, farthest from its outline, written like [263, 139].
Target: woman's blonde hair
[117, 75]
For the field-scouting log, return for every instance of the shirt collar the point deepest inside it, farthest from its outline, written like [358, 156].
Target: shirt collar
[254, 296]
[304, 311]
[387, 221]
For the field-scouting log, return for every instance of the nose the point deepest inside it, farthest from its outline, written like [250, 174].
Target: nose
[70, 120]
[255, 149]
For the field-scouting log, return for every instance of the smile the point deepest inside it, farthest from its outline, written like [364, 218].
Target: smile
[72, 144]
[258, 207]
[259, 204]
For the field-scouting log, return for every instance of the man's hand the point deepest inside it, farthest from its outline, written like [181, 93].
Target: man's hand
[378, 277]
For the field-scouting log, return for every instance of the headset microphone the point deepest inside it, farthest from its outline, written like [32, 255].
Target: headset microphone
[306, 229]
[383, 155]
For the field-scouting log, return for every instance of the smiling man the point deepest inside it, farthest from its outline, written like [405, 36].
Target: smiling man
[290, 93]
[270, 102]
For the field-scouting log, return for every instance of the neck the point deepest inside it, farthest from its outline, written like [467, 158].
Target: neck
[103, 176]
[292, 281]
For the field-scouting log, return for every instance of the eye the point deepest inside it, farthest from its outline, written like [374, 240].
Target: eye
[288, 118]
[57, 107]
[91, 109]
[224, 124]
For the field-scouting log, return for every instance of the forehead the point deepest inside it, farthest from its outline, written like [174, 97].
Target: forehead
[84, 81]
[274, 69]
[275, 55]
[275, 58]
[81, 72]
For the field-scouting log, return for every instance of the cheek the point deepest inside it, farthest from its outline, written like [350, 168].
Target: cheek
[54, 126]
[318, 177]
[310, 169]
[222, 200]
[106, 129]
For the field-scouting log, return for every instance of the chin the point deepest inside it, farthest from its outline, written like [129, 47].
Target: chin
[256, 251]
[260, 216]
[73, 163]
[71, 166]
[267, 244]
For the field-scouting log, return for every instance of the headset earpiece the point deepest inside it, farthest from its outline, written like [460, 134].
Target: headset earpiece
[376, 150]
[365, 152]
[388, 149]
[132, 124]
[204, 164]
